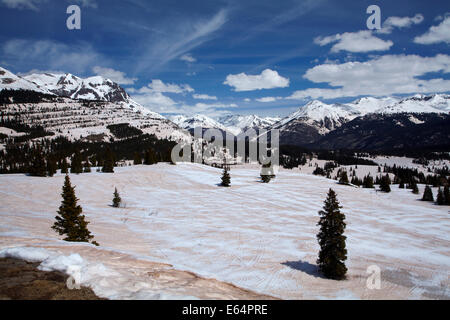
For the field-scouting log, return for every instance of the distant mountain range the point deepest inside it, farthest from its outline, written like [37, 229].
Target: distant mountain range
[367, 123]
[233, 124]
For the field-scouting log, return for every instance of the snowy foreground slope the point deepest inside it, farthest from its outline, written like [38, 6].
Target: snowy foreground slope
[260, 237]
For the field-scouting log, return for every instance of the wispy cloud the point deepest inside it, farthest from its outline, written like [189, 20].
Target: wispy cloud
[85, 3]
[298, 9]
[188, 58]
[23, 4]
[182, 37]
[47, 54]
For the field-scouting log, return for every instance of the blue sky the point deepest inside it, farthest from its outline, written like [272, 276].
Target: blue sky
[242, 57]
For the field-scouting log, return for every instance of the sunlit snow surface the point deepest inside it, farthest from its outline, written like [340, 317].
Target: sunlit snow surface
[260, 237]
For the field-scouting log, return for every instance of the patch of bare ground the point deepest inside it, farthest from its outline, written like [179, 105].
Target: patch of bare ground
[21, 280]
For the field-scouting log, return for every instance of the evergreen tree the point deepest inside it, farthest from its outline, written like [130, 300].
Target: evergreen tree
[108, 163]
[428, 194]
[446, 195]
[75, 164]
[344, 178]
[51, 166]
[70, 222]
[64, 166]
[333, 252]
[226, 181]
[368, 182]
[38, 167]
[116, 200]
[87, 165]
[137, 158]
[414, 187]
[150, 157]
[267, 172]
[385, 183]
[440, 200]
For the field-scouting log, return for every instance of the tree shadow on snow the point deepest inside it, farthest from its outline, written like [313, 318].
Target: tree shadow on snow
[304, 266]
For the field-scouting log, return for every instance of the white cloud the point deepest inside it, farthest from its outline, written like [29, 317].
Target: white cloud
[47, 54]
[156, 102]
[247, 99]
[114, 75]
[204, 97]
[268, 99]
[188, 58]
[85, 3]
[159, 86]
[400, 22]
[381, 76]
[361, 41]
[268, 79]
[442, 17]
[23, 4]
[436, 34]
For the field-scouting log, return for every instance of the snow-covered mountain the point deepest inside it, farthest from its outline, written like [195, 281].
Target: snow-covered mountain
[238, 124]
[80, 108]
[73, 87]
[10, 81]
[70, 86]
[234, 124]
[196, 121]
[327, 117]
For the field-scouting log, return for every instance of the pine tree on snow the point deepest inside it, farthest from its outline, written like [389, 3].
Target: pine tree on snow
[428, 194]
[440, 200]
[116, 200]
[226, 180]
[385, 183]
[70, 222]
[333, 252]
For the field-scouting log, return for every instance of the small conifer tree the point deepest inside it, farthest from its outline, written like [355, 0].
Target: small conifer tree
[414, 187]
[344, 178]
[108, 164]
[51, 166]
[446, 195]
[385, 183]
[267, 172]
[38, 167]
[70, 222]
[226, 180]
[137, 158]
[87, 165]
[76, 165]
[116, 200]
[428, 194]
[440, 199]
[64, 166]
[150, 157]
[368, 182]
[333, 252]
